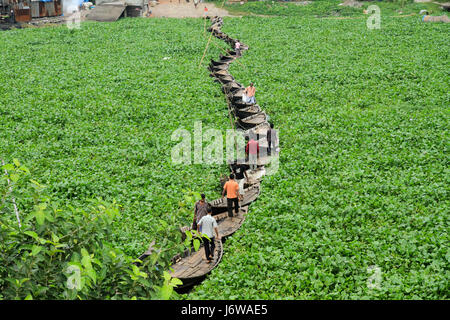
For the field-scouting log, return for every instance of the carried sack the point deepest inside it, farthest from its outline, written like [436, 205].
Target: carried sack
[244, 98]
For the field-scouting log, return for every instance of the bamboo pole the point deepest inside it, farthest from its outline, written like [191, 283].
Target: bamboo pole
[229, 110]
[204, 27]
[16, 211]
[206, 48]
[227, 53]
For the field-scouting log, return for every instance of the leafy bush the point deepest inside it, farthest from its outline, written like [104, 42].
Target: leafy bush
[65, 252]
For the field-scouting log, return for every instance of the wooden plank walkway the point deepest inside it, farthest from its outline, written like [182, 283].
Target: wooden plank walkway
[194, 263]
[250, 195]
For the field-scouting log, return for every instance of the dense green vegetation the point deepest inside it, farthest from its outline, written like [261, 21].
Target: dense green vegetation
[91, 112]
[362, 114]
[54, 252]
[328, 8]
[363, 118]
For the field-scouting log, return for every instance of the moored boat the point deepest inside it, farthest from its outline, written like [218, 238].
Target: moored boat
[252, 121]
[250, 195]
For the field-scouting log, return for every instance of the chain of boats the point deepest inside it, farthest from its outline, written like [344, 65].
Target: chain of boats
[191, 266]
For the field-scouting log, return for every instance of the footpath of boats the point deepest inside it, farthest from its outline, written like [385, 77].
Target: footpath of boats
[191, 265]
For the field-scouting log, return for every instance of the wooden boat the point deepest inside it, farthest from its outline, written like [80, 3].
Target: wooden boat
[191, 266]
[236, 96]
[263, 161]
[218, 68]
[260, 130]
[216, 31]
[247, 112]
[240, 105]
[254, 176]
[221, 73]
[252, 121]
[232, 87]
[237, 92]
[227, 226]
[226, 79]
[226, 58]
[218, 63]
[216, 26]
[250, 195]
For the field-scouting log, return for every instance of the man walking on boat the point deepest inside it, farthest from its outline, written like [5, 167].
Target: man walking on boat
[231, 187]
[237, 48]
[200, 210]
[209, 225]
[251, 151]
[271, 136]
[240, 172]
[250, 92]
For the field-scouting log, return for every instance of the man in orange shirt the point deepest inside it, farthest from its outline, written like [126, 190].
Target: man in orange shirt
[231, 187]
[250, 92]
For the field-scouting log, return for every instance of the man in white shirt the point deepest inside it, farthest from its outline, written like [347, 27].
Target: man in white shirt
[209, 225]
